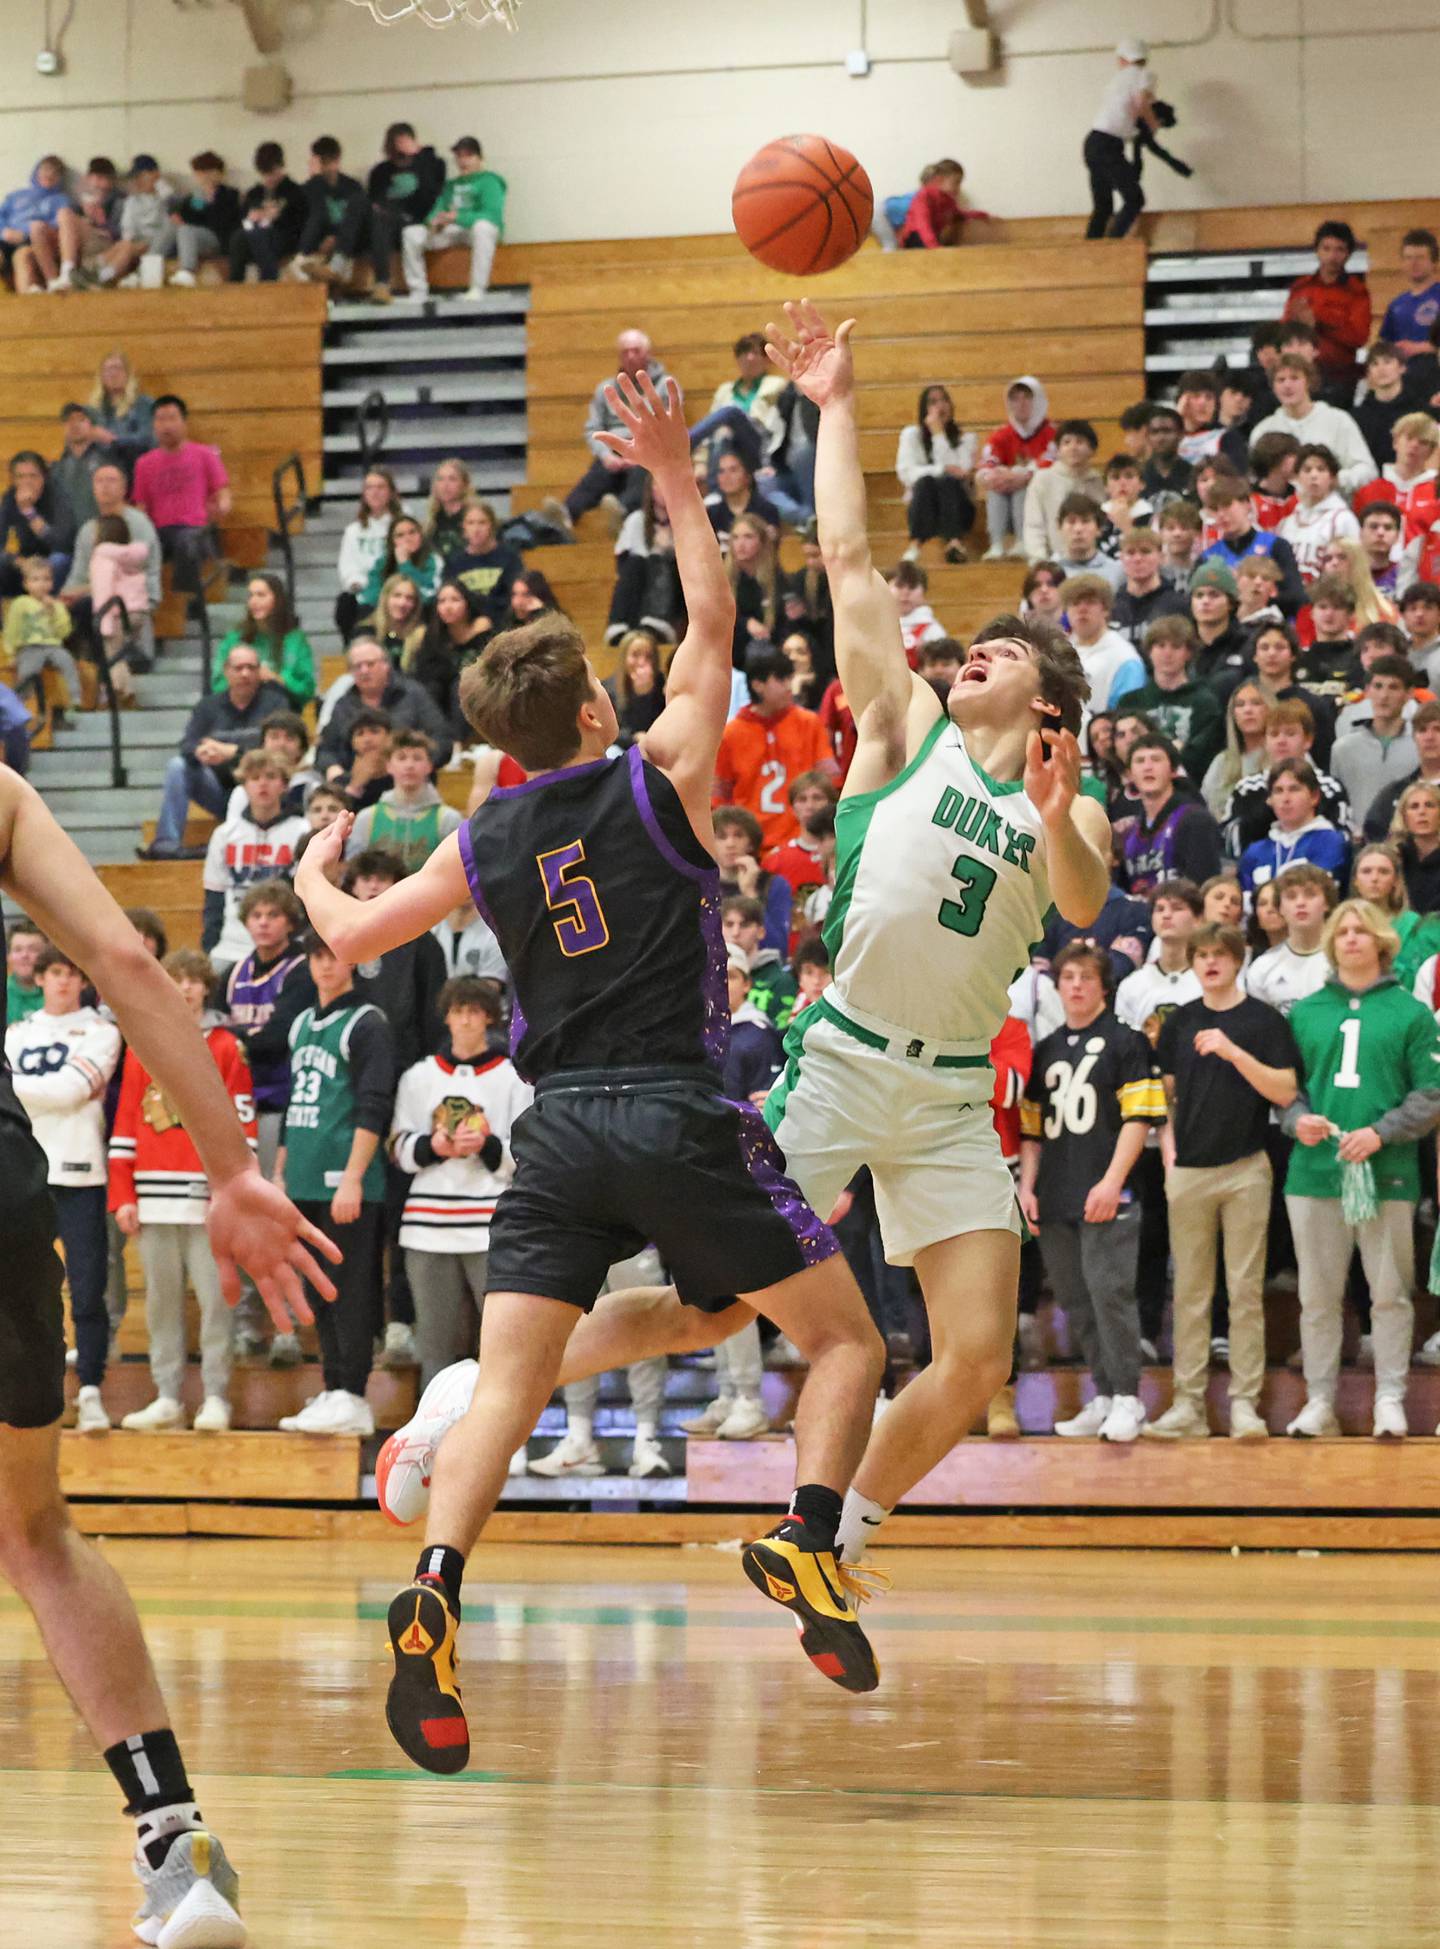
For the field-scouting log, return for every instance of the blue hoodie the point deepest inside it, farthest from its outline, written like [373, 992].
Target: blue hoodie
[22, 207]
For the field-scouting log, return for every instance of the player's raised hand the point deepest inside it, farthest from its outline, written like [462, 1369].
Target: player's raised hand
[326, 847]
[657, 437]
[253, 1224]
[1052, 774]
[815, 359]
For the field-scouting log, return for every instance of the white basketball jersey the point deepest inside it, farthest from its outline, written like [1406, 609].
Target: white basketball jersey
[941, 894]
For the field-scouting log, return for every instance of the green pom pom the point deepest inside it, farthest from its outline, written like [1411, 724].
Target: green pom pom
[1357, 1192]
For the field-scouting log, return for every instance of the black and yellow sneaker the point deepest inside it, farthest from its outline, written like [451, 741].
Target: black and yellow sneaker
[790, 1568]
[423, 1709]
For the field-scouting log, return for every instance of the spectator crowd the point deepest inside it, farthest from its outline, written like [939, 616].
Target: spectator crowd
[1233, 1069]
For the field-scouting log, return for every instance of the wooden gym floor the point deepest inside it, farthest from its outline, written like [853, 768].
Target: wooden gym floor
[1088, 1749]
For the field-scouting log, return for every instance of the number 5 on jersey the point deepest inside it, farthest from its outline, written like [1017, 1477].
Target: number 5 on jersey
[577, 916]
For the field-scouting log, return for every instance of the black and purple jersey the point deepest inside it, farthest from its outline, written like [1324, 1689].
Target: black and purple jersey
[607, 910]
[251, 995]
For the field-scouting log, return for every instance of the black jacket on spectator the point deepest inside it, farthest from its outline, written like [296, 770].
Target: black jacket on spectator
[57, 537]
[1382, 808]
[222, 216]
[406, 984]
[647, 591]
[1221, 664]
[1123, 914]
[1422, 877]
[1131, 616]
[1376, 420]
[1248, 816]
[487, 579]
[216, 716]
[1180, 481]
[415, 206]
[749, 606]
[322, 200]
[722, 520]
[404, 702]
[288, 225]
[636, 714]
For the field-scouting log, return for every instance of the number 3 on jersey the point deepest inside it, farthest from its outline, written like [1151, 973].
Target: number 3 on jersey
[977, 883]
[578, 917]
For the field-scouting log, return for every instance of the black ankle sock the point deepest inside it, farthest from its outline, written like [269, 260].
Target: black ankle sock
[149, 1771]
[441, 1563]
[818, 1508]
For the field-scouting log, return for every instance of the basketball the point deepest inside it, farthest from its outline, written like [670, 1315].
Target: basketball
[802, 205]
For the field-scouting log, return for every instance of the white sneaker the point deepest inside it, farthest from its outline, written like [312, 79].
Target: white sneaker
[1390, 1422]
[309, 1417]
[343, 1414]
[402, 1471]
[65, 280]
[647, 1458]
[577, 1454]
[90, 1415]
[214, 1416]
[912, 553]
[1316, 1421]
[399, 1349]
[783, 1352]
[1182, 1421]
[192, 1899]
[184, 280]
[161, 1414]
[746, 1420]
[1125, 1419]
[1246, 1423]
[131, 283]
[1429, 1354]
[475, 295]
[285, 1350]
[519, 1465]
[1015, 551]
[417, 293]
[994, 553]
[710, 1418]
[1090, 1420]
[1365, 1354]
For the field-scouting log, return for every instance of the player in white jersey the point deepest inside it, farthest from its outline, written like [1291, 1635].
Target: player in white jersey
[958, 829]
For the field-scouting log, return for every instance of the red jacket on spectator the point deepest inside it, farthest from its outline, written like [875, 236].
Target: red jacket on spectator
[1271, 509]
[932, 210]
[802, 870]
[1417, 502]
[1341, 316]
[757, 759]
[153, 1161]
[1028, 443]
[1010, 1058]
[839, 723]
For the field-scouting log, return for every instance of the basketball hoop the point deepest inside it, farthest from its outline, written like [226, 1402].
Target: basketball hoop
[442, 13]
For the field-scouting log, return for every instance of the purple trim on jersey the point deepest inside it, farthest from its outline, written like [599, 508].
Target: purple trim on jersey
[715, 985]
[482, 907]
[545, 778]
[765, 1162]
[641, 788]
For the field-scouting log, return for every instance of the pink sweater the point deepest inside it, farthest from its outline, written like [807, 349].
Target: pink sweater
[117, 568]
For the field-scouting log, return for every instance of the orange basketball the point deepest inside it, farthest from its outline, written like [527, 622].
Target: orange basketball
[802, 205]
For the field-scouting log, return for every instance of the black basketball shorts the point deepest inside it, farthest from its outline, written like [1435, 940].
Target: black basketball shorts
[32, 1321]
[609, 1161]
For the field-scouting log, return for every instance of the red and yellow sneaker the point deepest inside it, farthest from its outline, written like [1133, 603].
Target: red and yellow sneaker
[423, 1709]
[789, 1569]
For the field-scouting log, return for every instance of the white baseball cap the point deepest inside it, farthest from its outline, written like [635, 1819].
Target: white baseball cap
[1133, 50]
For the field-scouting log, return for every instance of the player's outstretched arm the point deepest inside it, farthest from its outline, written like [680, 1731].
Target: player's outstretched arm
[363, 930]
[685, 737]
[251, 1222]
[868, 649]
[1077, 832]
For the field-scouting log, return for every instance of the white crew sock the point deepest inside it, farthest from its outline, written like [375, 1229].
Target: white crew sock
[860, 1522]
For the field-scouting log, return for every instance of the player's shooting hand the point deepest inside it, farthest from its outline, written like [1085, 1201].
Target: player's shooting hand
[253, 1224]
[656, 436]
[1357, 1145]
[1311, 1130]
[817, 361]
[1052, 774]
[327, 847]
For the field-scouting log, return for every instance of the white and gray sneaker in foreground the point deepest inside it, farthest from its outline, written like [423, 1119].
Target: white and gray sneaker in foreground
[1390, 1422]
[192, 1899]
[1316, 1421]
[404, 1465]
[1246, 1423]
[1090, 1420]
[1183, 1420]
[647, 1457]
[1125, 1420]
[577, 1454]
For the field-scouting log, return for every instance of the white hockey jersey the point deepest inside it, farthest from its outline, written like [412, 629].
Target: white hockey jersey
[61, 1065]
[452, 1199]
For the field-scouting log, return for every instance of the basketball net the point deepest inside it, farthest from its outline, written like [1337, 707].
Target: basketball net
[442, 13]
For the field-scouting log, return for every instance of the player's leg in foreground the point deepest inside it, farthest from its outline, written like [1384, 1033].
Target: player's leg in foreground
[94, 1641]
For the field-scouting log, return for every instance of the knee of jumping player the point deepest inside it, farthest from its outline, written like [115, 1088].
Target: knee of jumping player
[979, 1362]
[30, 1537]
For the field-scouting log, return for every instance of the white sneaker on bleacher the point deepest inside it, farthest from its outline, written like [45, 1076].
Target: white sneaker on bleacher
[576, 1454]
[1183, 1420]
[646, 1458]
[162, 1415]
[1390, 1422]
[1246, 1423]
[1316, 1421]
[746, 1421]
[90, 1415]
[307, 1421]
[1125, 1419]
[214, 1416]
[1090, 1420]
[345, 1414]
[184, 280]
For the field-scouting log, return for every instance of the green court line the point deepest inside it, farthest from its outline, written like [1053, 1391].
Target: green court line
[752, 1618]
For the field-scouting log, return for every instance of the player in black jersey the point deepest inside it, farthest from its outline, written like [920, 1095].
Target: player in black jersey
[598, 878]
[84, 1613]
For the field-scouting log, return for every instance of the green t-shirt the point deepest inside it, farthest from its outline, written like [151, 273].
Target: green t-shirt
[293, 661]
[1361, 1055]
[21, 1001]
[320, 1120]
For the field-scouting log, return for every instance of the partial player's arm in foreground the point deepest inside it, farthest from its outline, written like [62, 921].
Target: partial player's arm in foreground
[869, 652]
[684, 739]
[1077, 832]
[363, 930]
[251, 1222]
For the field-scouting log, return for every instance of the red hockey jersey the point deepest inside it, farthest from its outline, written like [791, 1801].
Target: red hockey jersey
[153, 1162]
